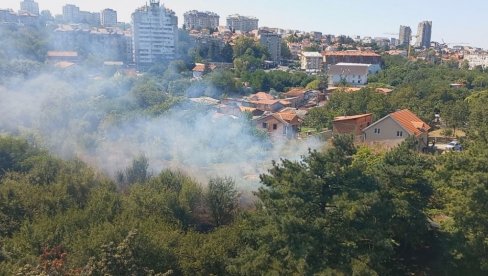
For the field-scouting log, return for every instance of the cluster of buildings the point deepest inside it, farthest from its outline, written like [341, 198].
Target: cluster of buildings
[153, 37]
[350, 67]
[278, 117]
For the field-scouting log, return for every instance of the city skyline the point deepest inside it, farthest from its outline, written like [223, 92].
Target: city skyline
[377, 18]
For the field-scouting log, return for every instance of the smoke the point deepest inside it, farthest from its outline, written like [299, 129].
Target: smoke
[94, 120]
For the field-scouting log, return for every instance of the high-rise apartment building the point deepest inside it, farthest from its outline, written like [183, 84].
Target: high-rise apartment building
[272, 42]
[196, 20]
[90, 18]
[404, 36]
[71, 13]
[108, 18]
[424, 33]
[242, 23]
[29, 6]
[155, 34]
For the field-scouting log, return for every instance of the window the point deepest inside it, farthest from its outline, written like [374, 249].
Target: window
[377, 130]
[399, 133]
[265, 125]
[275, 126]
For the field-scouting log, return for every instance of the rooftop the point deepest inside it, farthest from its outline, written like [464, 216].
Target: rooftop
[311, 54]
[62, 54]
[353, 117]
[410, 121]
[351, 53]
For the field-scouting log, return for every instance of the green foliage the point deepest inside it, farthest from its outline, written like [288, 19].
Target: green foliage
[222, 199]
[277, 80]
[136, 173]
[220, 83]
[126, 258]
[249, 55]
[23, 42]
[343, 103]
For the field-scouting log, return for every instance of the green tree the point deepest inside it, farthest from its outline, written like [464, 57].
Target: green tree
[222, 200]
[137, 173]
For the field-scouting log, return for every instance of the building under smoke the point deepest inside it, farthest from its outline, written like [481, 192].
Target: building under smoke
[108, 17]
[29, 6]
[155, 35]
[104, 44]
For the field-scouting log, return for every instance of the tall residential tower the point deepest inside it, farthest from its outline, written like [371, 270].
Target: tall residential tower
[272, 42]
[155, 35]
[108, 18]
[404, 36]
[29, 6]
[424, 33]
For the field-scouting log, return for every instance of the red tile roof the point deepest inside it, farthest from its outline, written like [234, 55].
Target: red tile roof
[351, 53]
[261, 96]
[199, 67]
[410, 122]
[296, 91]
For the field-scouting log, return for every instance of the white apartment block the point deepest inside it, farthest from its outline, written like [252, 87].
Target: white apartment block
[241, 23]
[311, 62]
[475, 60]
[196, 20]
[348, 73]
[155, 35]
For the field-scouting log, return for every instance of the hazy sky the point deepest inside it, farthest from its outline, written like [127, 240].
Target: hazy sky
[453, 21]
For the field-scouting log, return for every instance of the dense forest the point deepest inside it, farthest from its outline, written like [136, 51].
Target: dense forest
[344, 210]
[340, 210]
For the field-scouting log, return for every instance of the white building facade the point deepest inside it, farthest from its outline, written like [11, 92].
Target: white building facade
[197, 20]
[155, 35]
[311, 62]
[241, 23]
[348, 73]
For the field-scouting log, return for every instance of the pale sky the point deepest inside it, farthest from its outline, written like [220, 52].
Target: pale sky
[453, 21]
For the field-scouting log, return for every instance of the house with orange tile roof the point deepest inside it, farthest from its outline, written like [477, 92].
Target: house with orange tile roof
[261, 96]
[279, 124]
[270, 105]
[199, 70]
[352, 124]
[395, 127]
[299, 96]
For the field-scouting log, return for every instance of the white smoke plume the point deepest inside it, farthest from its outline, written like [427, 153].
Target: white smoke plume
[83, 119]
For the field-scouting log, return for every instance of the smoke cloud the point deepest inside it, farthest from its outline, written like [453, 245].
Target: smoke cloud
[91, 119]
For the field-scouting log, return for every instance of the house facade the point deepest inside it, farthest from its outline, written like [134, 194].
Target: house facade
[281, 124]
[394, 128]
[299, 97]
[311, 62]
[352, 124]
[348, 73]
